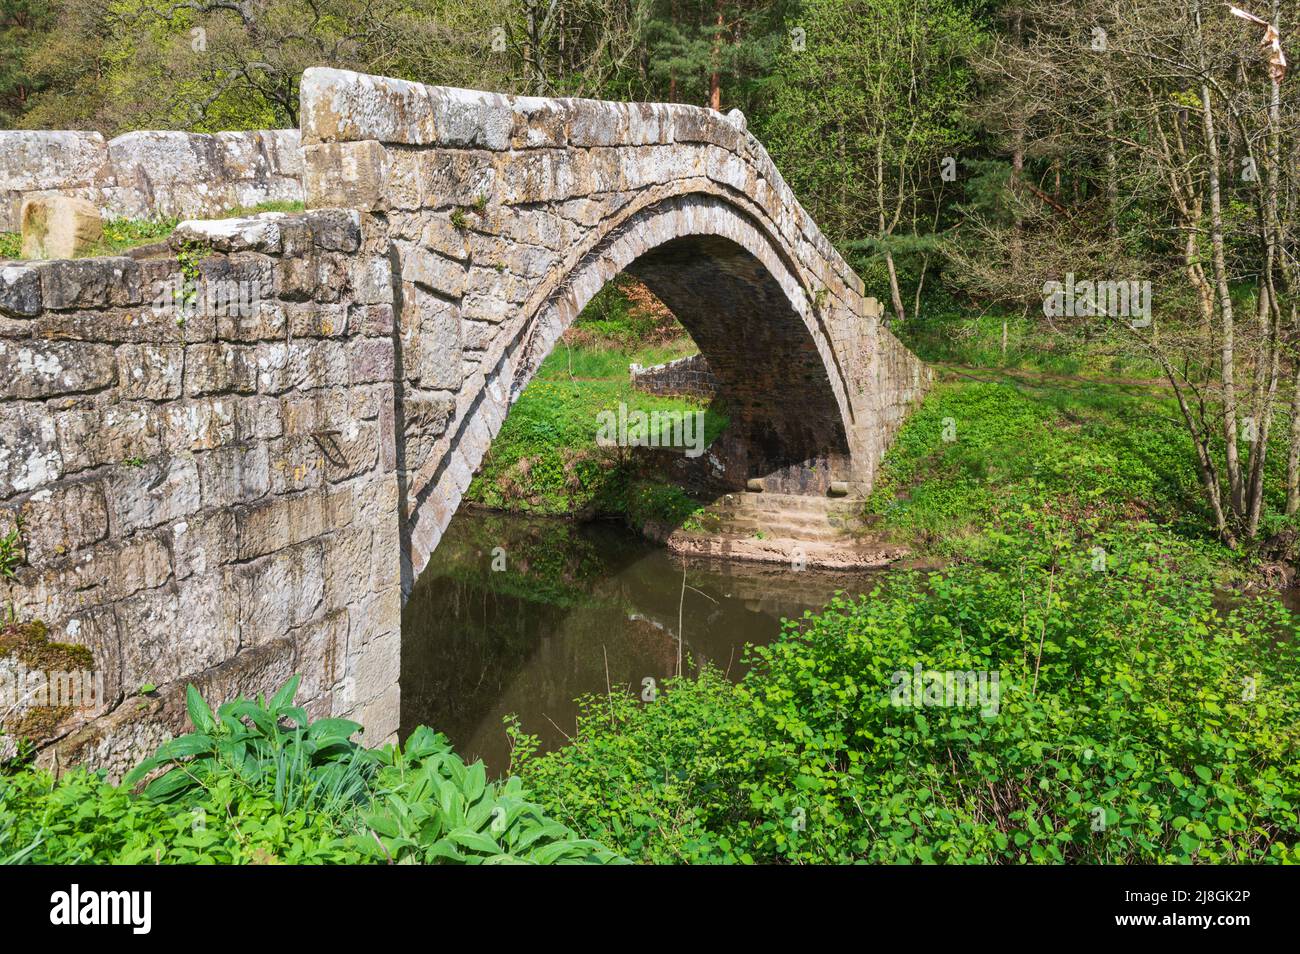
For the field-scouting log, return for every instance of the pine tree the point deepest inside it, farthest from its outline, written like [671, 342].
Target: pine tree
[22, 24]
[714, 52]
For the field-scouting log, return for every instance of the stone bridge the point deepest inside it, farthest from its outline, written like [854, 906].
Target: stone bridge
[227, 494]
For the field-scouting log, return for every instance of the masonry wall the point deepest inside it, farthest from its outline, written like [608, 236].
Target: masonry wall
[239, 484]
[689, 377]
[143, 174]
[207, 493]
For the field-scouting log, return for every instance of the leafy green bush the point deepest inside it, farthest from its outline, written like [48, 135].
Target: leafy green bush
[976, 451]
[257, 782]
[1139, 720]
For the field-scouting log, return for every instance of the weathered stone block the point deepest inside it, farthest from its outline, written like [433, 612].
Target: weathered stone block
[258, 419]
[220, 368]
[347, 566]
[320, 649]
[344, 175]
[234, 474]
[278, 592]
[307, 364]
[150, 372]
[280, 522]
[339, 106]
[42, 369]
[20, 291]
[260, 233]
[317, 320]
[59, 226]
[29, 451]
[317, 277]
[198, 424]
[149, 624]
[371, 320]
[379, 666]
[297, 464]
[458, 178]
[159, 491]
[35, 161]
[442, 275]
[336, 230]
[267, 321]
[372, 281]
[107, 434]
[202, 543]
[90, 283]
[372, 360]
[432, 337]
[60, 520]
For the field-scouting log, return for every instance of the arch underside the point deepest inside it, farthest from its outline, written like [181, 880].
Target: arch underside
[735, 289]
[769, 373]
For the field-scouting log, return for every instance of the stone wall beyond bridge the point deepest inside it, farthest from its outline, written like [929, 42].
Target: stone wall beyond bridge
[227, 459]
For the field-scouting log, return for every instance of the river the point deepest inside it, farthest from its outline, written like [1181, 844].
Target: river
[522, 615]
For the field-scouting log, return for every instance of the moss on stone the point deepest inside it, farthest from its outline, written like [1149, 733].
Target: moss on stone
[31, 645]
[38, 723]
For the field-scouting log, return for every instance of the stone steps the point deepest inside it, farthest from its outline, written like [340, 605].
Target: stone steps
[844, 554]
[786, 528]
[786, 503]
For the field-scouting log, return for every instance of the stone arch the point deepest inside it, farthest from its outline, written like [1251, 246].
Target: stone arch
[757, 325]
[504, 215]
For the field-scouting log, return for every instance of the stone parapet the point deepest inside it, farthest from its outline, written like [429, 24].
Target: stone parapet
[150, 174]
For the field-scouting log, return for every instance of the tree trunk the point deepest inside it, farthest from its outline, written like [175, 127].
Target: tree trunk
[715, 78]
[1227, 354]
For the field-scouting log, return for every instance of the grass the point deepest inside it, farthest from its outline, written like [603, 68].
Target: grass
[276, 205]
[984, 446]
[975, 341]
[546, 459]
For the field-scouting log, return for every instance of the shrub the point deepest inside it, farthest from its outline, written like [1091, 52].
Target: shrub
[257, 782]
[1139, 721]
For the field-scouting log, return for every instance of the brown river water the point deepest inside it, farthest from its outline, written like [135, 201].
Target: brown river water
[523, 615]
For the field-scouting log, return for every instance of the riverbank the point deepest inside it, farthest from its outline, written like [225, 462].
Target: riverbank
[546, 459]
[1138, 716]
[517, 616]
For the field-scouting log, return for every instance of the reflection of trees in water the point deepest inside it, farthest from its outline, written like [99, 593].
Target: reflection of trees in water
[547, 560]
[579, 608]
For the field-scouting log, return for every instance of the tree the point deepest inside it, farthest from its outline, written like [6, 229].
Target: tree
[712, 52]
[1160, 147]
[22, 24]
[864, 117]
[573, 47]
